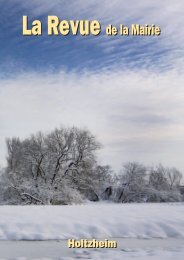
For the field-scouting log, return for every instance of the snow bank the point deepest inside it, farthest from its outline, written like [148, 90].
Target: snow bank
[92, 221]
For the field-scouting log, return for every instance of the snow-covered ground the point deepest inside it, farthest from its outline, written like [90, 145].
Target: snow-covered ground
[92, 221]
[143, 231]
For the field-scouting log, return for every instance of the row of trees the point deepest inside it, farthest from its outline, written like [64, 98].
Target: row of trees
[61, 168]
[137, 183]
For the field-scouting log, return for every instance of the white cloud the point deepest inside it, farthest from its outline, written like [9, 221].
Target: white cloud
[135, 115]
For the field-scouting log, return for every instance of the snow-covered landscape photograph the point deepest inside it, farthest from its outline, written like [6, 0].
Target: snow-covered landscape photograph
[91, 131]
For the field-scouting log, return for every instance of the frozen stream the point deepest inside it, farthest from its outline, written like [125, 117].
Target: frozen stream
[59, 250]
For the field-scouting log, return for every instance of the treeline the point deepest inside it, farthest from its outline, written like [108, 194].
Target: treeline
[137, 183]
[61, 168]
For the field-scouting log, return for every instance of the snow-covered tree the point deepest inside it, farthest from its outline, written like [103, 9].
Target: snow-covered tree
[52, 168]
[132, 183]
[137, 183]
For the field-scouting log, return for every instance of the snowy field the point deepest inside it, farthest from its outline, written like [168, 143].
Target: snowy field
[92, 221]
[143, 231]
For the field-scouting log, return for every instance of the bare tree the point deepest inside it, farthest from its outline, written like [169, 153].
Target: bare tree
[158, 178]
[174, 178]
[39, 167]
[132, 183]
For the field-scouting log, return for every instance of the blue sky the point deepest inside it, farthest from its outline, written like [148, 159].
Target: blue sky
[127, 91]
[90, 53]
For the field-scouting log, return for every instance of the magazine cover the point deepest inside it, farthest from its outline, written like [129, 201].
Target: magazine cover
[91, 129]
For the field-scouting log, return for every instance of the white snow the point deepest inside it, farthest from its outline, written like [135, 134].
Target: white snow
[95, 220]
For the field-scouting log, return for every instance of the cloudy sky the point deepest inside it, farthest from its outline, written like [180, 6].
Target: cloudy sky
[128, 91]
